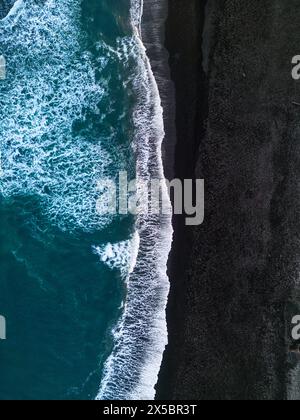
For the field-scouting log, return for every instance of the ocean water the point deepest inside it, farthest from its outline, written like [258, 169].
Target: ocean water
[84, 295]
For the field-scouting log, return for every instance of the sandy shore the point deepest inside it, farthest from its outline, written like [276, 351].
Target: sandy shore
[155, 13]
[234, 280]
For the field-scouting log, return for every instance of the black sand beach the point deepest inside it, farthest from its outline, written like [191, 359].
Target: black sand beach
[234, 279]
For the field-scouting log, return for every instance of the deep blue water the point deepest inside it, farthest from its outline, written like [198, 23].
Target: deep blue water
[66, 122]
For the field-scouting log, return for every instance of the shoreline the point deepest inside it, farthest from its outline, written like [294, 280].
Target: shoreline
[233, 278]
[155, 14]
[140, 336]
[182, 42]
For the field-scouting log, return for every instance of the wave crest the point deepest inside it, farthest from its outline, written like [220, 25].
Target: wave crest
[50, 102]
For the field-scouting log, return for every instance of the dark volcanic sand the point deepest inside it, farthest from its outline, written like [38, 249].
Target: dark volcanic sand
[234, 279]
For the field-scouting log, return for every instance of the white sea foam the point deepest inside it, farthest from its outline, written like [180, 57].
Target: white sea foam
[121, 256]
[51, 86]
[13, 11]
[131, 370]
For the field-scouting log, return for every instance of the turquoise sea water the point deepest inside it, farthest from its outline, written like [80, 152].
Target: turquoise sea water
[73, 103]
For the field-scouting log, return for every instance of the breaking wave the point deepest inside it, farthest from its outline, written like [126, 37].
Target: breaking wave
[50, 151]
[51, 91]
[131, 371]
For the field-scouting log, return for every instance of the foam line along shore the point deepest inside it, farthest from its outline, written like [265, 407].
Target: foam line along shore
[131, 371]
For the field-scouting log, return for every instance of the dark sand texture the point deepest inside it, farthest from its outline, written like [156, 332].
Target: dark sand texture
[155, 13]
[234, 279]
